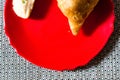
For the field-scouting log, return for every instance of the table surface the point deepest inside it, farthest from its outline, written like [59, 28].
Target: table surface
[105, 66]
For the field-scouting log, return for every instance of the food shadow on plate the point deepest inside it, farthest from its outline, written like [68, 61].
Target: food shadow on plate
[110, 46]
[101, 12]
[40, 9]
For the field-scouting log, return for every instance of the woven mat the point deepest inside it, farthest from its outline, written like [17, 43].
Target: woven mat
[105, 66]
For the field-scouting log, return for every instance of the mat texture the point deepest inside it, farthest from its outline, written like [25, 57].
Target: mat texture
[105, 66]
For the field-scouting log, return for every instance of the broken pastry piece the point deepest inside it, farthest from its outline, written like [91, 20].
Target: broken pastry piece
[23, 8]
[76, 11]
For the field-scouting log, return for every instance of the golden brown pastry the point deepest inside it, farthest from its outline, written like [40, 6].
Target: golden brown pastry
[76, 11]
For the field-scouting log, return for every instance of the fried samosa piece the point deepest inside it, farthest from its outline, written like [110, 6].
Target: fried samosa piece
[23, 8]
[76, 11]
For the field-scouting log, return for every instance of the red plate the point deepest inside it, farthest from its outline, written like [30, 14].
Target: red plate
[45, 38]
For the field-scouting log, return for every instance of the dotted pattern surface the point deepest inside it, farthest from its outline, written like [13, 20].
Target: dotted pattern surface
[105, 66]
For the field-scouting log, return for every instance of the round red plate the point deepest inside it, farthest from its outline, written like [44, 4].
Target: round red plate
[45, 38]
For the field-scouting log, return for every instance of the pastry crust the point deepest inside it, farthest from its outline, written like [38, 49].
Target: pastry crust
[76, 11]
[23, 8]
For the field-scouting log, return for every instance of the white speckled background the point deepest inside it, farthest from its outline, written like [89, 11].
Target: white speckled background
[105, 66]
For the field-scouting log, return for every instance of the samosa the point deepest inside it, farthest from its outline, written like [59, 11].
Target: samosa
[23, 8]
[76, 11]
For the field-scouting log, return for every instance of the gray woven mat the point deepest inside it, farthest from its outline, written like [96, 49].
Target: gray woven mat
[106, 66]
